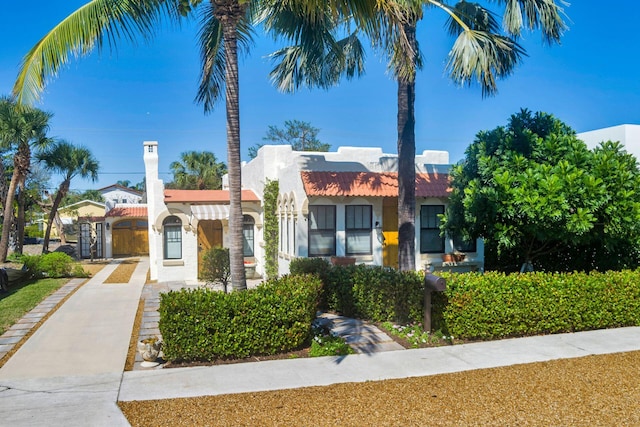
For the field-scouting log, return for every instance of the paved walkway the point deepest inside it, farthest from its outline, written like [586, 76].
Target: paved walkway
[69, 373]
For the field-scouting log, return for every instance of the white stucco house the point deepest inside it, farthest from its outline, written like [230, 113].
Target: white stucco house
[118, 194]
[335, 204]
[628, 135]
[345, 204]
[182, 224]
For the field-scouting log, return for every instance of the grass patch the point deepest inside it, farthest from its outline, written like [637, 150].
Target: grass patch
[123, 272]
[23, 298]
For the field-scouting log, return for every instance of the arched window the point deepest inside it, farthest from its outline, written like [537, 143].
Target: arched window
[172, 227]
[247, 235]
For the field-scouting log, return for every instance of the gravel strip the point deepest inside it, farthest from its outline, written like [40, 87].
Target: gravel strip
[589, 391]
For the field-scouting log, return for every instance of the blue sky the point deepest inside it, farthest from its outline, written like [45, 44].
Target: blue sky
[112, 102]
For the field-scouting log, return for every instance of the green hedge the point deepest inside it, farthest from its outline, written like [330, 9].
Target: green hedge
[496, 305]
[375, 293]
[207, 325]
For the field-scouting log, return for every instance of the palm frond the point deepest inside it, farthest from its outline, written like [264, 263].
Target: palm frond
[483, 57]
[474, 17]
[93, 25]
[545, 15]
[212, 53]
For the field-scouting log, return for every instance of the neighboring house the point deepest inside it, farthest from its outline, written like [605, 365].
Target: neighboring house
[343, 204]
[183, 224]
[119, 194]
[628, 135]
[83, 224]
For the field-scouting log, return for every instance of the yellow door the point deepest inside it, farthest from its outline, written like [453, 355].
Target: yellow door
[390, 232]
[209, 236]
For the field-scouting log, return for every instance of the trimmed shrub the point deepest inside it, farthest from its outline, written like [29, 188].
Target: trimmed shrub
[497, 305]
[203, 324]
[384, 294]
[374, 293]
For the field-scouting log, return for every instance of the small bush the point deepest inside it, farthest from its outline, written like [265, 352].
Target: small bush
[31, 263]
[325, 343]
[55, 264]
[216, 267]
[317, 266]
[273, 318]
[79, 271]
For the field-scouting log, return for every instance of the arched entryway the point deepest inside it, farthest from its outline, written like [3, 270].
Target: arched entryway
[209, 236]
[130, 237]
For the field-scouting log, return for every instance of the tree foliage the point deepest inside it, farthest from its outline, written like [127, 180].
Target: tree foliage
[538, 195]
[197, 170]
[300, 135]
[21, 127]
[271, 189]
[69, 161]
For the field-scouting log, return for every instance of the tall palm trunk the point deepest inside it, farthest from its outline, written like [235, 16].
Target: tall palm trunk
[20, 220]
[229, 14]
[407, 166]
[8, 216]
[64, 188]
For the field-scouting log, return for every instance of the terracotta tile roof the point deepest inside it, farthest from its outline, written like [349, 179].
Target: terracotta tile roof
[205, 196]
[128, 211]
[376, 184]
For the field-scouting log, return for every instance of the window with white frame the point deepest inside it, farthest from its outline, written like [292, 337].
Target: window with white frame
[248, 235]
[172, 231]
[430, 239]
[358, 229]
[322, 230]
[459, 244]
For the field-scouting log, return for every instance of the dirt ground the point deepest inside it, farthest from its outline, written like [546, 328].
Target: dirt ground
[123, 271]
[589, 391]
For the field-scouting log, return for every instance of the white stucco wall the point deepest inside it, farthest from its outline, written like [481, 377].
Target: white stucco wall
[628, 135]
[280, 162]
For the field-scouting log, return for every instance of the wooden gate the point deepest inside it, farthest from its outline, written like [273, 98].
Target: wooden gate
[390, 232]
[209, 235]
[130, 237]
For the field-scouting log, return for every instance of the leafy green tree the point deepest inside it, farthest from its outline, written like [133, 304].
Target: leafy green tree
[197, 170]
[77, 196]
[21, 127]
[69, 161]
[300, 135]
[225, 28]
[538, 196]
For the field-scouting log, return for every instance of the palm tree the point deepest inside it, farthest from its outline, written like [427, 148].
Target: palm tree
[198, 170]
[20, 127]
[226, 25]
[69, 161]
[480, 53]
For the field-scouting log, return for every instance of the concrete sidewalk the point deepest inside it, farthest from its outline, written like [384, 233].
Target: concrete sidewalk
[295, 373]
[69, 371]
